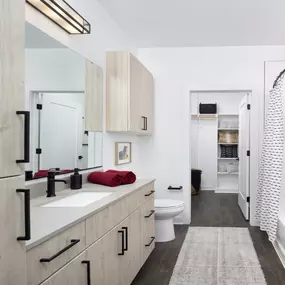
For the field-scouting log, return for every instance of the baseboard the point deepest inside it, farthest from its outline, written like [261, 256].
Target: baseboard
[280, 251]
[226, 191]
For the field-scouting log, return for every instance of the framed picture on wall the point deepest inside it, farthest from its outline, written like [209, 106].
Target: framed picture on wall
[123, 153]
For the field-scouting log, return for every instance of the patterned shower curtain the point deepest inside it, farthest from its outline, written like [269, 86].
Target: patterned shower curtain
[271, 164]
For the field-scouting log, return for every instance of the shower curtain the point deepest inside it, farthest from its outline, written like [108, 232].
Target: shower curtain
[271, 163]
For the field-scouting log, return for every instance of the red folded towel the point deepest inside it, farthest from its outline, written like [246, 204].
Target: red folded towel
[128, 176]
[104, 178]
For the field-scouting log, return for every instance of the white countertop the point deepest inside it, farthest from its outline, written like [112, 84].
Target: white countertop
[47, 222]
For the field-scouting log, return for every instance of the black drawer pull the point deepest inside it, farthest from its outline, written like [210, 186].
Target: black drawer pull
[151, 213]
[127, 238]
[150, 193]
[149, 244]
[87, 262]
[73, 242]
[175, 188]
[123, 242]
[26, 137]
[144, 123]
[27, 214]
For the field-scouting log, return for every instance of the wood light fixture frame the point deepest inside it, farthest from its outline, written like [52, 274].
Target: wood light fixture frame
[63, 15]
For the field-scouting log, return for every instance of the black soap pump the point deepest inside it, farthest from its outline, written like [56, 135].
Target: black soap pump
[76, 180]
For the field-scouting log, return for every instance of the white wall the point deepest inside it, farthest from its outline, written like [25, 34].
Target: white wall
[176, 72]
[106, 35]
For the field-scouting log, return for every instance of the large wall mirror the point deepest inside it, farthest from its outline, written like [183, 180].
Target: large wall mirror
[55, 80]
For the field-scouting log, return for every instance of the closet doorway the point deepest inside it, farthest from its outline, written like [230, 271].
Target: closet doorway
[220, 145]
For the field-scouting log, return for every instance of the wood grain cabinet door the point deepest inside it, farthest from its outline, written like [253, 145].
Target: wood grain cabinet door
[93, 97]
[74, 273]
[12, 252]
[12, 25]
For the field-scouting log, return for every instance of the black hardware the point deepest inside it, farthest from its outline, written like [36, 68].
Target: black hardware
[27, 214]
[278, 77]
[248, 199]
[127, 238]
[151, 213]
[26, 137]
[248, 153]
[28, 175]
[39, 106]
[237, 159]
[123, 242]
[150, 193]
[38, 151]
[144, 123]
[51, 182]
[73, 242]
[87, 262]
[86, 133]
[248, 106]
[82, 26]
[175, 188]
[149, 244]
[80, 157]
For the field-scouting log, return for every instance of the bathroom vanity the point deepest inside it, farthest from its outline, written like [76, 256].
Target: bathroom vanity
[97, 235]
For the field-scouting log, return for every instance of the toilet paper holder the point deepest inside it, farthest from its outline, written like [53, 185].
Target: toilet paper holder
[176, 188]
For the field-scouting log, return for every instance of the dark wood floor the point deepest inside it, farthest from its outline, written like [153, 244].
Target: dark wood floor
[210, 210]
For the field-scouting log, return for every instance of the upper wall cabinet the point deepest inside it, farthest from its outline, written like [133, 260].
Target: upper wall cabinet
[129, 106]
[93, 98]
[12, 89]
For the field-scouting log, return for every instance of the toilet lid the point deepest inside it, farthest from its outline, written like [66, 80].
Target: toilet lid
[167, 203]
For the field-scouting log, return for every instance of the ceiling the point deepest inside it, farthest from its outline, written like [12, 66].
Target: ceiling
[152, 23]
[35, 38]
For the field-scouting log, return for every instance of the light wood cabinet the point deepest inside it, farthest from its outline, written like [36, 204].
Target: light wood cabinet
[12, 252]
[74, 273]
[93, 97]
[12, 17]
[129, 98]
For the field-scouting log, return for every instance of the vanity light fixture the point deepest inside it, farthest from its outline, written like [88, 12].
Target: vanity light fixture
[63, 15]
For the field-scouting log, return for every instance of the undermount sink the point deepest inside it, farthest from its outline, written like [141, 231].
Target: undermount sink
[79, 200]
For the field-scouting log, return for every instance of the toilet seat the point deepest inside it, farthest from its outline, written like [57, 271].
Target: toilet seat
[167, 203]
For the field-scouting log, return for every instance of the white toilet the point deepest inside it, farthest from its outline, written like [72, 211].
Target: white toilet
[165, 211]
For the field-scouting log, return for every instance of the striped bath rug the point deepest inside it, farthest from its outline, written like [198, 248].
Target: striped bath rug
[217, 256]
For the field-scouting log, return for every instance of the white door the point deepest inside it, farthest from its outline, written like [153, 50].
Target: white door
[244, 158]
[59, 134]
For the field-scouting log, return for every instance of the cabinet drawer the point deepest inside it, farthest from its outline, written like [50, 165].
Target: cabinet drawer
[148, 229]
[146, 193]
[48, 257]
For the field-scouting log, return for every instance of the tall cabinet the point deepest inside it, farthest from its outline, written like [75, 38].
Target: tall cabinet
[129, 88]
[12, 154]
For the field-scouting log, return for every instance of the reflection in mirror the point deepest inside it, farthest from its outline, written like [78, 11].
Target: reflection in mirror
[55, 85]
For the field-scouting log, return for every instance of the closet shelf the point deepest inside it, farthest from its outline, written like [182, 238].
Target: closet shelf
[227, 173]
[229, 158]
[228, 143]
[228, 129]
[204, 116]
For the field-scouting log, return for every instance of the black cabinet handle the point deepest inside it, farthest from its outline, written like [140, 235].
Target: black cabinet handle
[27, 214]
[123, 242]
[149, 244]
[73, 242]
[87, 262]
[175, 188]
[127, 238]
[26, 137]
[151, 213]
[144, 123]
[150, 193]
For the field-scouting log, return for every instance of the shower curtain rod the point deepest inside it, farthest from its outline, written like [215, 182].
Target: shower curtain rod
[278, 77]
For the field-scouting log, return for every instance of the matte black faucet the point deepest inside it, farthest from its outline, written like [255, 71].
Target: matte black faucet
[51, 183]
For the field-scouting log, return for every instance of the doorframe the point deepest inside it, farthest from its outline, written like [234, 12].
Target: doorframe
[33, 100]
[251, 118]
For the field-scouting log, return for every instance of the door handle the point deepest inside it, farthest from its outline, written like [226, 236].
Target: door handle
[26, 137]
[73, 242]
[123, 242]
[127, 238]
[87, 262]
[80, 157]
[27, 235]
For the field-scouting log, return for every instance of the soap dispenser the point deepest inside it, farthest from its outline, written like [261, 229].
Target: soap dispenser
[76, 180]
